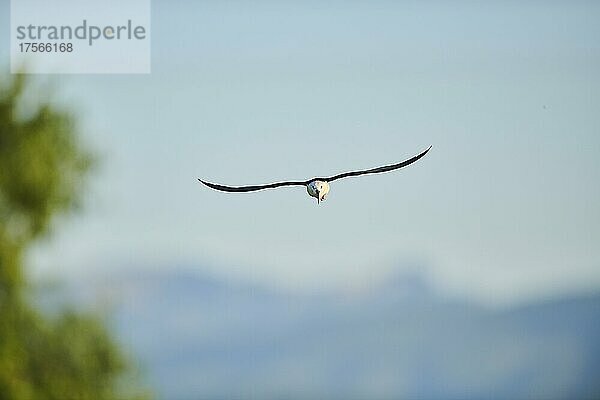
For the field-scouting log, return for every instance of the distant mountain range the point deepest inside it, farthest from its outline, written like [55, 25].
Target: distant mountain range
[201, 338]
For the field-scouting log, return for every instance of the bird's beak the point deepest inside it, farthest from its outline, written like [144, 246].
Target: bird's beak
[318, 197]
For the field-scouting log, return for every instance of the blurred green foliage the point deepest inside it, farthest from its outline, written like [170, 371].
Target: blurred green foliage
[67, 355]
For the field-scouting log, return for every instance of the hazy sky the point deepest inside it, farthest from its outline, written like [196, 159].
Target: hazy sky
[506, 205]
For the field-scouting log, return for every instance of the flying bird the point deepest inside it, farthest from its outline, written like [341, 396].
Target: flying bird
[316, 187]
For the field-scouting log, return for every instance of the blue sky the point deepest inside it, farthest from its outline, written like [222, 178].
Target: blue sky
[505, 207]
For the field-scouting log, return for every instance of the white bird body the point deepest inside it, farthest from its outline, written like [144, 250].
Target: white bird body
[316, 187]
[318, 190]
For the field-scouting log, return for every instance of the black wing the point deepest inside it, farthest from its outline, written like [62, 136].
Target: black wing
[251, 188]
[377, 170]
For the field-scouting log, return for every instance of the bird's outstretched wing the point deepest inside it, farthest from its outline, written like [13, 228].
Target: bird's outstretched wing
[385, 168]
[253, 188]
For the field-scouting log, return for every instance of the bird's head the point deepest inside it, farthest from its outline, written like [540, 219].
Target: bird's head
[318, 189]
